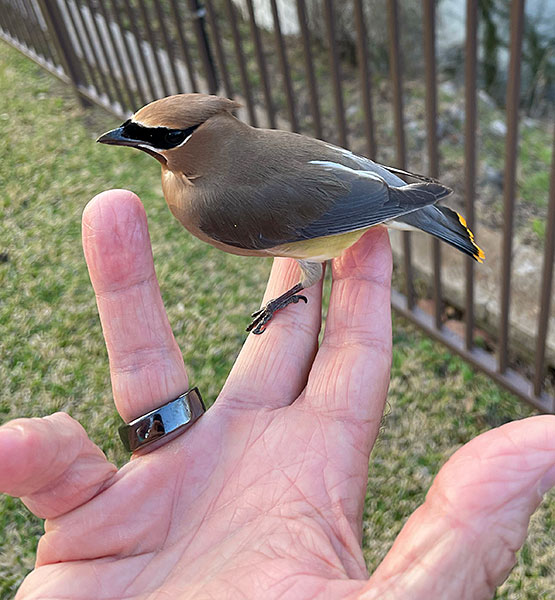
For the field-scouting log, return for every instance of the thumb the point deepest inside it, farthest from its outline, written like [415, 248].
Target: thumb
[51, 464]
[461, 542]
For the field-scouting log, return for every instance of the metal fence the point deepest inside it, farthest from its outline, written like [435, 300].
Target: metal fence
[121, 54]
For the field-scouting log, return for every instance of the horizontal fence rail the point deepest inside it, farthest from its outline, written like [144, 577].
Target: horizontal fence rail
[320, 67]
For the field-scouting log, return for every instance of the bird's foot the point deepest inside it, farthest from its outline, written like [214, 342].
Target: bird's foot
[261, 317]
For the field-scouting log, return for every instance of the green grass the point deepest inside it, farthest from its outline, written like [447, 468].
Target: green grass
[534, 156]
[53, 356]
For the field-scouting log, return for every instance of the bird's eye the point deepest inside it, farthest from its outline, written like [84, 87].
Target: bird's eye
[174, 138]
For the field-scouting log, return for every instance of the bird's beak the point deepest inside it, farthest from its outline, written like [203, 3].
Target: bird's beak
[116, 138]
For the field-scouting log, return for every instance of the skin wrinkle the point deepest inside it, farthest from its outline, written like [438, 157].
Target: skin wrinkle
[442, 505]
[156, 338]
[119, 289]
[249, 443]
[335, 535]
[413, 560]
[347, 350]
[33, 443]
[304, 531]
[347, 534]
[337, 383]
[275, 363]
[486, 479]
[87, 490]
[178, 485]
[109, 520]
[341, 416]
[131, 367]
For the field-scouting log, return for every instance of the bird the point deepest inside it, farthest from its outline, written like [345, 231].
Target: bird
[266, 192]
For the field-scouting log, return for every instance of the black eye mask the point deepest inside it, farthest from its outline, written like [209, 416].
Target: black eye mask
[160, 138]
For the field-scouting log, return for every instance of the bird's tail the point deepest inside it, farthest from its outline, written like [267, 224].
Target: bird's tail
[447, 225]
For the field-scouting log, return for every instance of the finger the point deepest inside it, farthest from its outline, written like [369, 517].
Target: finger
[51, 464]
[461, 542]
[146, 365]
[348, 382]
[350, 376]
[272, 368]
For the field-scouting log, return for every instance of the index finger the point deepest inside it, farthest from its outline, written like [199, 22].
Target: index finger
[146, 365]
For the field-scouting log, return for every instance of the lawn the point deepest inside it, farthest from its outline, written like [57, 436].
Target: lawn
[53, 357]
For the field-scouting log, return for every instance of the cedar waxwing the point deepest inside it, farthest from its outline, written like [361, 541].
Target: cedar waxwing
[263, 192]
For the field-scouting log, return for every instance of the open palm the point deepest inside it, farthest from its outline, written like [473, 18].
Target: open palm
[263, 496]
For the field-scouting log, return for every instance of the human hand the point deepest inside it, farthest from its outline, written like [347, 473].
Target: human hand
[263, 496]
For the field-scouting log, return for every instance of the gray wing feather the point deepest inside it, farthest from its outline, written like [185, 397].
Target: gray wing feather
[369, 201]
[388, 173]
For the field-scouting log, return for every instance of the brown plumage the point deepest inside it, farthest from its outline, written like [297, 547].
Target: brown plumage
[264, 192]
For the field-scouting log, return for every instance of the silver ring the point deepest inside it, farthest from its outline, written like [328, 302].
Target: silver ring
[162, 424]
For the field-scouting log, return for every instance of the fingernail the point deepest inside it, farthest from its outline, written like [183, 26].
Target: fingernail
[547, 481]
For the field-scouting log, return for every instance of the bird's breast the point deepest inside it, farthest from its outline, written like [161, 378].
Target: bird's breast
[179, 197]
[182, 198]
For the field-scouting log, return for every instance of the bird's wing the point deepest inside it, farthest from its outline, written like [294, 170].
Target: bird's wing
[369, 200]
[313, 199]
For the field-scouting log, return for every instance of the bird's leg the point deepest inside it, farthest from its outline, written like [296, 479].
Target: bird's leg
[262, 317]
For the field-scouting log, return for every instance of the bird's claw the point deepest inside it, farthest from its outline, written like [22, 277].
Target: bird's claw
[261, 317]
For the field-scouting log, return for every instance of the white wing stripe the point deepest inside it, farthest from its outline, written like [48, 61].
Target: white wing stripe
[333, 166]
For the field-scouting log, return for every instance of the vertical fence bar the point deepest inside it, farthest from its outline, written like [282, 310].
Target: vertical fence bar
[81, 47]
[119, 62]
[24, 17]
[162, 75]
[10, 23]
[34, 31]
[22, 33]
[429, 15]
[168, 47]
[151, 92]
[104, 49]
[184, 45]
[284, 65]
[38, 18]
[309, 69]
[70, 64]
[28, 38]
[259, 52]
[104, 87]
[335, 73]
[3, 19]
[547, 283]
[132, 58]
[509, 189]
[37, 33]
[15, 26]
[363, 67]
[199, 29]
[34, 28]
[220, 55]
[395, 70]
[241, 61]
[470, 75]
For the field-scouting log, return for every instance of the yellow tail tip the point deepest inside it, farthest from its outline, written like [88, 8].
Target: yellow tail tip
[462, 221]
[479, 256]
